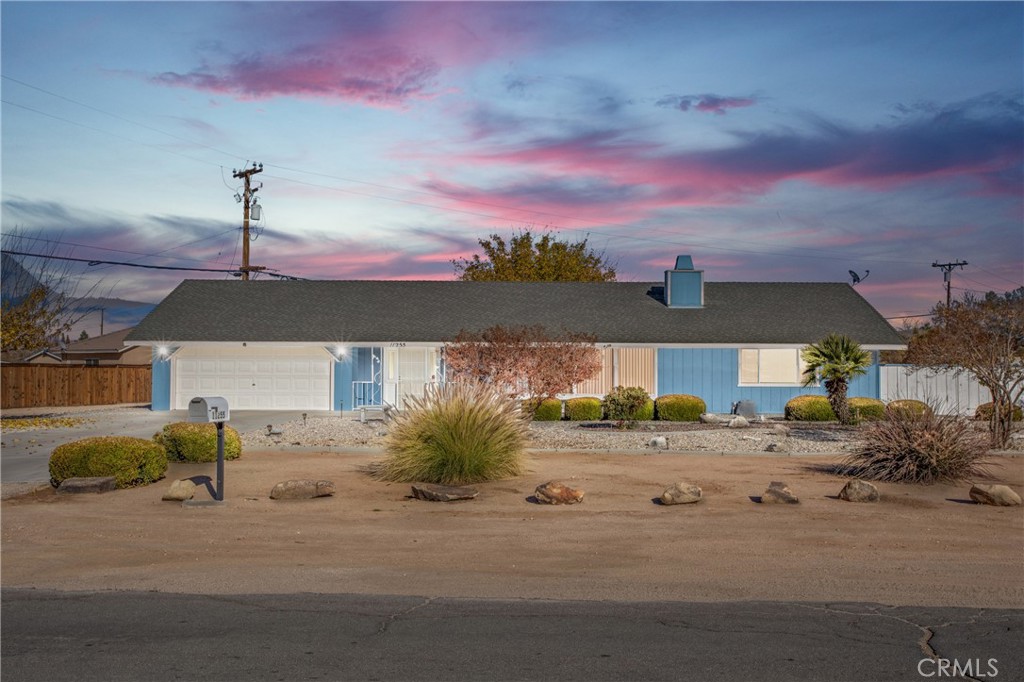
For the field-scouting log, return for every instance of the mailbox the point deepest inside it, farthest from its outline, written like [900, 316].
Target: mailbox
[210, 409]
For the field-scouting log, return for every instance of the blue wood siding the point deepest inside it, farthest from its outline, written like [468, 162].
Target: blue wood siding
[160, 398]
[712, 374]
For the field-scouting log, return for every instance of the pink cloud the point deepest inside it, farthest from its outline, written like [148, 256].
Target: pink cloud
[708, 103]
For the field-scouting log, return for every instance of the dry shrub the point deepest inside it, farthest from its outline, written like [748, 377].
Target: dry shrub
[456, 434]
[919, 447]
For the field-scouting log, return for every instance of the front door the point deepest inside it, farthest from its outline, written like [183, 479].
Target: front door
[407, 372]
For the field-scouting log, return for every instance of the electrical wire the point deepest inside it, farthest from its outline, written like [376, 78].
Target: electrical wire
[138, 265]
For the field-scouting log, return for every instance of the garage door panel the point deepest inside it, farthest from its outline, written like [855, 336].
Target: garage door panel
[257, 381]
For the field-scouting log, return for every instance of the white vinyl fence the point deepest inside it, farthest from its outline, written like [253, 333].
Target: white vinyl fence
[952, 393]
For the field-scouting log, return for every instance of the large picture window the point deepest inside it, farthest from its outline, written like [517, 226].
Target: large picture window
[774, 366]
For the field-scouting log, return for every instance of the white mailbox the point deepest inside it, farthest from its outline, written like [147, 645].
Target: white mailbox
[208, 409]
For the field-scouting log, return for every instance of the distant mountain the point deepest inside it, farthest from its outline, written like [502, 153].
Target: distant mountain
[115, 313]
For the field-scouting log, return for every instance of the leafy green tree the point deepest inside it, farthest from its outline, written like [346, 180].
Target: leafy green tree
[984, 336]
[529, 259]
[835, 360]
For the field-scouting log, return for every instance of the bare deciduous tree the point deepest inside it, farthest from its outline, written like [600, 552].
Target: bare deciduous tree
[984, 336]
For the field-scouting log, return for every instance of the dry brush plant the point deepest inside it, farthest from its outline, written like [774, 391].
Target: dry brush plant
[456, 434]
[919, 447]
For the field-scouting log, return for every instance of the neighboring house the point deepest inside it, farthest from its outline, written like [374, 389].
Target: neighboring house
[337, 345]
[104, 350]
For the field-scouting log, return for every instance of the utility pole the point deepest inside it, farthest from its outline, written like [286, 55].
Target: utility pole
[947, 275]
[247, 200]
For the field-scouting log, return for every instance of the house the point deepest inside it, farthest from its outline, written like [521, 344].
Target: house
[339, 345]
[103, 350]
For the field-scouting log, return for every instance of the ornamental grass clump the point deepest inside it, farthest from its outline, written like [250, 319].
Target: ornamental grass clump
[919, 447]
[131, 461]
[197, 442]
[454, 435]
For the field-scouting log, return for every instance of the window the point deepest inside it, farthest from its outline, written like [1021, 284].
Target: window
[776, 366]
[92, 362]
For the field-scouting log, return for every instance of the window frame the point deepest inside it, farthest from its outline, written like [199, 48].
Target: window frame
[800, 367]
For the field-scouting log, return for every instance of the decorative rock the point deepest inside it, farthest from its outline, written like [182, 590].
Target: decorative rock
[709, 418]
[857, 490]
[92, 484]
[659, 442]
[442, 493]
[998, 495]
[782, 430]
[302, 490]
[772, 447]
[180, 491]
[779, 493]
[681, 493]
[738, 422]
[554, 492]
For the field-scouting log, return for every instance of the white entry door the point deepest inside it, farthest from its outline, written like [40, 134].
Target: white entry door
[286, 378]
[407, 372]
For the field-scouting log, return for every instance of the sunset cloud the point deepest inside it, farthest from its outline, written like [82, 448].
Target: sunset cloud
[710, 104]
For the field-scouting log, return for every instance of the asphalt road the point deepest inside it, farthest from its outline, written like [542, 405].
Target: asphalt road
[135, 636]
[25, 455]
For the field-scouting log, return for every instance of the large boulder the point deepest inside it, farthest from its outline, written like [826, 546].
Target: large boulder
[658, 443]
[87, 484]
[442, 493]
[304, 489]
[682, 493]
[554, 492]
[998, 495]
[779, 493]
[857, 490]
[738, 422]
[181, 490]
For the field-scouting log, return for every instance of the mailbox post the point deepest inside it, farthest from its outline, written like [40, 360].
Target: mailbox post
[212, 409]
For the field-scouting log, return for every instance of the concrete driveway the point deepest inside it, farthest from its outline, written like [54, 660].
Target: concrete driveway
[25, 455]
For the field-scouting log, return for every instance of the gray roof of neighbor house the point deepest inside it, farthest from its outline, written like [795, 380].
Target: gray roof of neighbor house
[614, 312]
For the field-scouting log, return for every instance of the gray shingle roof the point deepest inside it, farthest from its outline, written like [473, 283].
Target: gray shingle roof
[615, 312]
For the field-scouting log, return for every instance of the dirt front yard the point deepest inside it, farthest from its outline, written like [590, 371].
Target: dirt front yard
[917, 546]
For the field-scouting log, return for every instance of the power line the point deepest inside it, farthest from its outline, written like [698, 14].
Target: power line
[136, 265]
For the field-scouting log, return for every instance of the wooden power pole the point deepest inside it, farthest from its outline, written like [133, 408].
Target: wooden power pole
[947, 275]
[247, 199]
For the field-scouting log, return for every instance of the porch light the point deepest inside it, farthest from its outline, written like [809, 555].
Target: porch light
[341, 351]
[163, 351]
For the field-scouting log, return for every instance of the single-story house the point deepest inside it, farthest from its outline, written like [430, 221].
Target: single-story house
[104, 350]
[339, 345]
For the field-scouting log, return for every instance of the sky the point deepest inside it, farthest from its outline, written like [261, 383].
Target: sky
[771, 141]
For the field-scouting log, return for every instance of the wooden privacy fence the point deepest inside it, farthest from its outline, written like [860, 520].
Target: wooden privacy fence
[63, 385]
[951, 392]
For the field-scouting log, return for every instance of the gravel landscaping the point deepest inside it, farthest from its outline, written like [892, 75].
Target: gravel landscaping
[780, 437]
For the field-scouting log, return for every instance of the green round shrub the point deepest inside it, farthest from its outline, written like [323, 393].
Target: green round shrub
[454, 435]
[985, 410]
[914, 408]
[867, 408]
[627, 405]
[547, 410]
[131, 461]
[680, 408]
[188, 442]
[809, 408]
[583, 409]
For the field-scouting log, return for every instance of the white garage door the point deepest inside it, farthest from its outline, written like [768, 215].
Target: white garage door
[255, 379]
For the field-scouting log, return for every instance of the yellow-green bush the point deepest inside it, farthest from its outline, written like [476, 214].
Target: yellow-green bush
[454, 435]
[131, 461]
[913, 407]
[627, 405]
[985, 410]
[809, 408]
[680, 408]
[547, 410]
[583, 409]
[646, 412]
[188, 442]
[867, 408]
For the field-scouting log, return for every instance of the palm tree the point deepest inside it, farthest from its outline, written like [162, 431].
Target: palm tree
[835, 360]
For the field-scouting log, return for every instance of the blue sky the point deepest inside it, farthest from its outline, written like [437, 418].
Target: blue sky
[772, 141]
